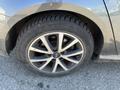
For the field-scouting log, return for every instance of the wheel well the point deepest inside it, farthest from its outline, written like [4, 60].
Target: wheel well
[12, 36]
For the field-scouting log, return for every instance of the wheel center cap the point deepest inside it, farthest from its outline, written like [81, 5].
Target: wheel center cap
[56, 55]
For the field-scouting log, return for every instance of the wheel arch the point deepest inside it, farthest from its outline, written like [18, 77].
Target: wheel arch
[23, 16]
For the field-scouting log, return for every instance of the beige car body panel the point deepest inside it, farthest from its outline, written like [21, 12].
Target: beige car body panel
[114, 11]
[100, 18]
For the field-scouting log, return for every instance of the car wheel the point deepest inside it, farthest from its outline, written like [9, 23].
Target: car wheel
[55, 44]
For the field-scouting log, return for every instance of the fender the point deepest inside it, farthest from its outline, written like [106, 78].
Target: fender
[102, 21]
[56, 6]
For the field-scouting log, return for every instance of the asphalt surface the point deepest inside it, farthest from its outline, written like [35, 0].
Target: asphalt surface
[93, 76]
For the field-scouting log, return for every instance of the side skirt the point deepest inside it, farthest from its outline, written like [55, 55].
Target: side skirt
[108, 58]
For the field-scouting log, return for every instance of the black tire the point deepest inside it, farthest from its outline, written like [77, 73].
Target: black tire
[53, 23]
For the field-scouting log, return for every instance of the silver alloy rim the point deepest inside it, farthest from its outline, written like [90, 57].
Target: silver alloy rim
[56, 52]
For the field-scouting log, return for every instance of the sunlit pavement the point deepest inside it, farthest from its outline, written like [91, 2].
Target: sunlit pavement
[94, 76]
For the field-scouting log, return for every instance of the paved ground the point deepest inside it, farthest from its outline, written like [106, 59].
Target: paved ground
[95, 76]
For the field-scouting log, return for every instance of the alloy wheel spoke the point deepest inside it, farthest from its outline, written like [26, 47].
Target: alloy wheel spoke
[58, 62]
[62, 65]
[39, 50]
[46, 63]
[55, 66]
[39, 60]
[70, 45]
[74, 53]
[70, 60]
[61, 35]
[47, 44]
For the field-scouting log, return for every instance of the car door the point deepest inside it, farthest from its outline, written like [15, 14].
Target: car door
[113, 7]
